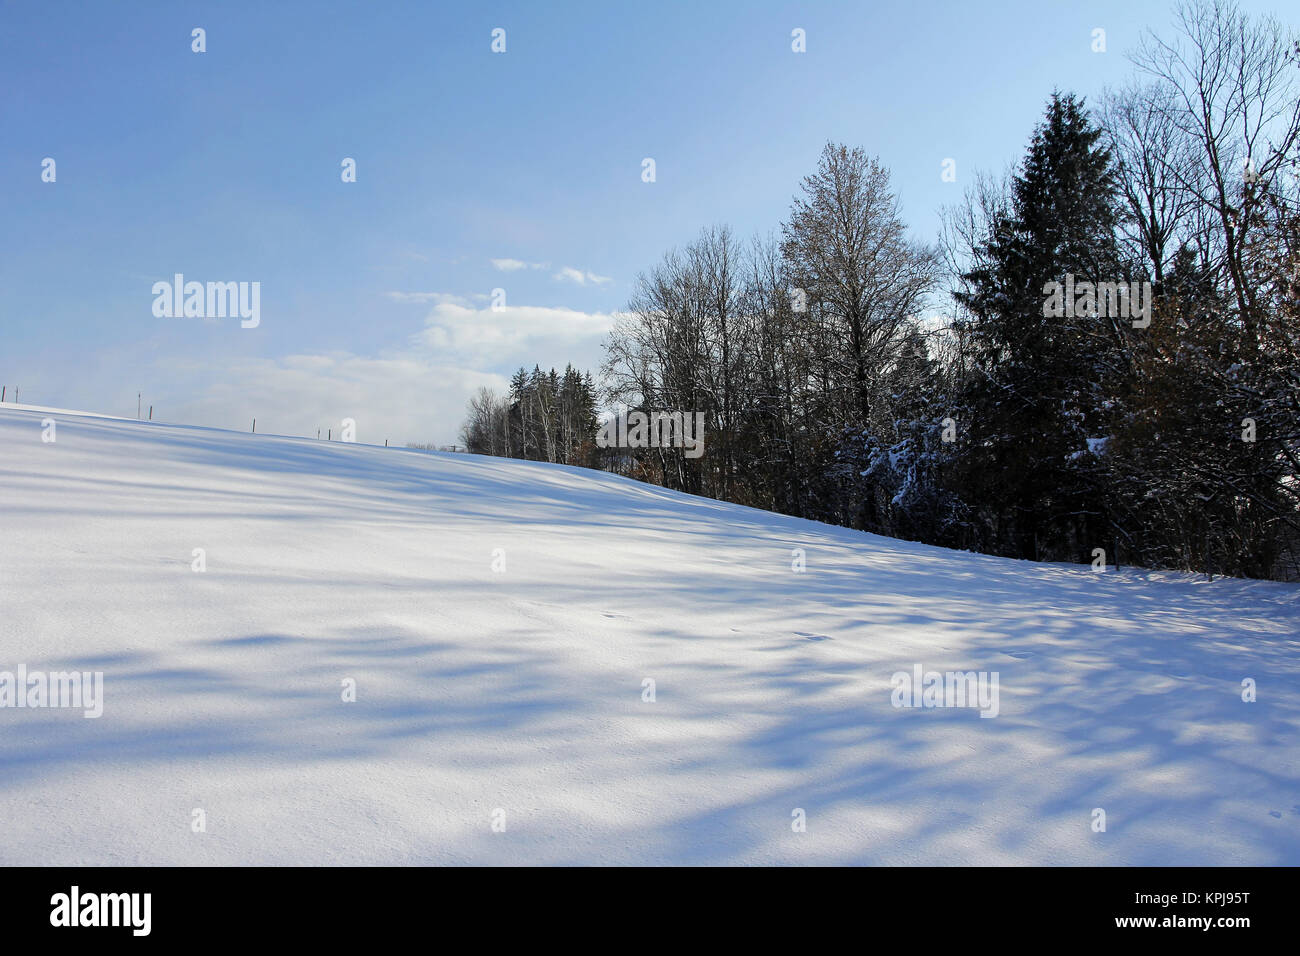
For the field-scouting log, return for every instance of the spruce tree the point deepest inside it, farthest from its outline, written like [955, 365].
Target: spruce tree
[1040, 384]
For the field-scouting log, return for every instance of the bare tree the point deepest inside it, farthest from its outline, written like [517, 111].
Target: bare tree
[484, 430]
[1233, 93]
[847, 248]
[716, 261]
[965, 227]
[1154, 158]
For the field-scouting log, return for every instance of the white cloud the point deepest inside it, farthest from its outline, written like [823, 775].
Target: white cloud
[579, 277]
[516, 335]
[566, 273]
[402, 398]
[514, 265]
[416, 392]
[425, 297]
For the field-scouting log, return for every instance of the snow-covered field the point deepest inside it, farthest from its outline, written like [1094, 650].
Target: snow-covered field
[514, 694]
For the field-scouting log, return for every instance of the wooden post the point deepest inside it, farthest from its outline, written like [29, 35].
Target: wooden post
[2, 392]
[254, 426]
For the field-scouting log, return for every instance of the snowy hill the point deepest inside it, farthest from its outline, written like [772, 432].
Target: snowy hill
[513, 694]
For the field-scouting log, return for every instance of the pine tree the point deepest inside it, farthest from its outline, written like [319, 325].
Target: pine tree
[1040, 387]
[518, 416]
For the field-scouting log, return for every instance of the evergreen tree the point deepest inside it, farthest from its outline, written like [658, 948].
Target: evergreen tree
[1039, 391]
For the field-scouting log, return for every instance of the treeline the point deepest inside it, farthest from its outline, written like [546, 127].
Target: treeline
[947, 393]
[1169, 445]
[545, 417]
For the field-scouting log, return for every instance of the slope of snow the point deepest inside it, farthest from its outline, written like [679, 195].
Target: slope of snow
[521, 690]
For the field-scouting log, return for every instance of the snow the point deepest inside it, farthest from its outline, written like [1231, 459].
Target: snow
[521, 690]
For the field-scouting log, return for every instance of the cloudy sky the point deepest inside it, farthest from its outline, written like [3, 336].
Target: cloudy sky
[475, 171]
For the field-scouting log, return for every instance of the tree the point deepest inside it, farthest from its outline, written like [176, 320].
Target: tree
[1037, 393]
[485, 430]
[1153, 161]
[1232, 94]
[545, 416]
[847, 249]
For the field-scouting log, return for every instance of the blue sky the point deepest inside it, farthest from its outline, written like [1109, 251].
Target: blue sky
[475, 171]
